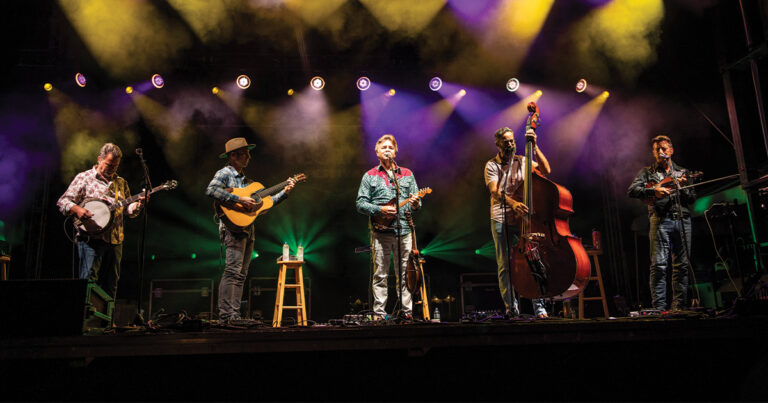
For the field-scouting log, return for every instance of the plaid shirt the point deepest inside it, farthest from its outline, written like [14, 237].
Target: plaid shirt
[376, 190]
[228, 177]
[90, 184]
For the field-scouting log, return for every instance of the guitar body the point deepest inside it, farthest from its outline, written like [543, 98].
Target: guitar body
[563, 255]
[240, 216]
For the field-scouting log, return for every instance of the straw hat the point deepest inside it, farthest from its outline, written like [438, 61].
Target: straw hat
[235, 144]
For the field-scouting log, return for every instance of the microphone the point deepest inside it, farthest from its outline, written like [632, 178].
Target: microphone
[662, 155]
[388, 155]
[139, 151]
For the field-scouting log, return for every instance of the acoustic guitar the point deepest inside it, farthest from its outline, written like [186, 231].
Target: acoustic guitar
[241, 216]
[383, 223]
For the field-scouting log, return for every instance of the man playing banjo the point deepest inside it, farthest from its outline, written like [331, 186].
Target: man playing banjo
[100, 253]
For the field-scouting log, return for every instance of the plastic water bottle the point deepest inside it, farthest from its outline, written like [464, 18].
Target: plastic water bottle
[300, 253]
[596, 239]
[436, 315]
[286, 252]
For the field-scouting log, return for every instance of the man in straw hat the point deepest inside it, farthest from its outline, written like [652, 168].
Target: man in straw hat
[238, 241]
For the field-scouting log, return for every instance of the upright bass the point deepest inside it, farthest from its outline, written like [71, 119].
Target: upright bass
[551, 262]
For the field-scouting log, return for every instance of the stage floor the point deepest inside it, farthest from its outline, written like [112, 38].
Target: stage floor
[688, 357]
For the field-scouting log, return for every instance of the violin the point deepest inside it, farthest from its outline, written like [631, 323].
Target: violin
[550, 261]
[672, 182]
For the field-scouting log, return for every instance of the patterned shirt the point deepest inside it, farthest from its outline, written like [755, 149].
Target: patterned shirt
[91, 184]
[377, 189]
[228, 177]
[495, 170]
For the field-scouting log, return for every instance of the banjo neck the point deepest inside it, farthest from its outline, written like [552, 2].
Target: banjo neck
[125, 202]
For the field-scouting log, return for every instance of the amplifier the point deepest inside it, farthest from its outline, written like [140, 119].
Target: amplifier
[172, 295]
[63, 307]
[480, 292]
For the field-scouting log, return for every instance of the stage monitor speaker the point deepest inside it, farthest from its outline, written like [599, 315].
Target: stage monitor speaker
[62, 307]
[480, 293]
[172, 295]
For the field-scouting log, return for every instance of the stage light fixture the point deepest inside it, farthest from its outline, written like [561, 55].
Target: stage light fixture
[129, 90]
[513, 84]
[290, 92]
[48, 87]
[435, 83]
[80, 80]
[606, 94]
[157, 81]
[581, 85]
[215, 90]
[243, 81]
[538, 93]
[193, 255]
[363, 83]
[462, 92]
[317, 83]
[391, 92]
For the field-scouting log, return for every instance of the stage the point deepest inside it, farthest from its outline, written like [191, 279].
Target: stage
[676, 357]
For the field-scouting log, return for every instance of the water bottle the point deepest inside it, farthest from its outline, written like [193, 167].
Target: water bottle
[596, 239]
[436, 315]
[286, 252]
[300, 253]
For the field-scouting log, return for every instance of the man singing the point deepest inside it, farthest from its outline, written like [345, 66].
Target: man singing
[503, 176]
[378, 187]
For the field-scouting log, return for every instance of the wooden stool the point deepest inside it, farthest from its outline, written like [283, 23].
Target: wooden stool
[300, 307]
[5, 267]
[599, 277]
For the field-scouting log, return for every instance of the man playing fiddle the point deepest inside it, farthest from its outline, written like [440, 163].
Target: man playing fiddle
[670, 223]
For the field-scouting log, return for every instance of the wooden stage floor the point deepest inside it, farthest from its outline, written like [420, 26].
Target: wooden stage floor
[688, 357]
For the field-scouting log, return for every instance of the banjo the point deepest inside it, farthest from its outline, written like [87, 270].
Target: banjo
[102, 211]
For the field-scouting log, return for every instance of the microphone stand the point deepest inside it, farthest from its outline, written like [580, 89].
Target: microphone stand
[398, 235]
[681, 220]
[139, 319]
[505, 225]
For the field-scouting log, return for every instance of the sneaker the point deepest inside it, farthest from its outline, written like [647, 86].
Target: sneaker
[542, 315]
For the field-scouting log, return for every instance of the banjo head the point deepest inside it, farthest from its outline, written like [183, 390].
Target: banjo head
[101, 220]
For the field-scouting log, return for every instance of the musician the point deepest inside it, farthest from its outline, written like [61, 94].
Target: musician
[377, 188]
[100, 255]
[668, 225]
[497, 173]
[238, 241]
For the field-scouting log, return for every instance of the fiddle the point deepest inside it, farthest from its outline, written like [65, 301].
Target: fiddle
[670, 182]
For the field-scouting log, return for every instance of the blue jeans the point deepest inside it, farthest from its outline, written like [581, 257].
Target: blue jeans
[502, 263]
[100, 262]
[238, 257]
[667, 236]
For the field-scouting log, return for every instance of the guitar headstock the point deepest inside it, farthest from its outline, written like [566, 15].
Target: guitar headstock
[425, 191]
[299, 177]
[170, 184]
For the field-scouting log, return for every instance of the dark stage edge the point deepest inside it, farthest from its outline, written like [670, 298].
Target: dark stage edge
[608, 360]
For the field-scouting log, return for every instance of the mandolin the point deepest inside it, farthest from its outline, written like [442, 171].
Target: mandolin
[383, 223]
[240, 216]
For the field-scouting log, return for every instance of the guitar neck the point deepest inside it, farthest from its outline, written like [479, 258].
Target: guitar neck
[272, 190]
